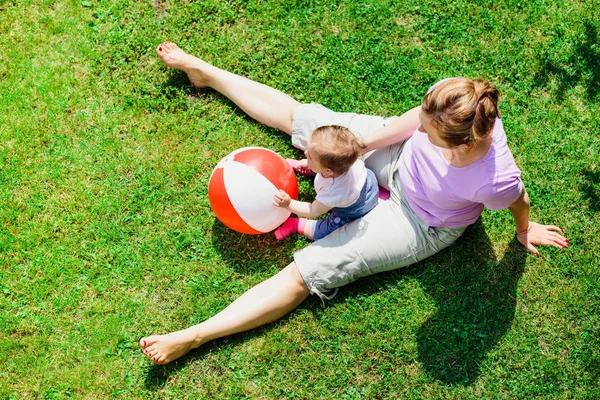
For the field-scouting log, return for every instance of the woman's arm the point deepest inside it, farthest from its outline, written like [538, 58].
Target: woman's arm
[402, 128]
[531, 233]
[301, 208]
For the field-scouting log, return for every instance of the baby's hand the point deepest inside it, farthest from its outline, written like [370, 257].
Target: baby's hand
[302, 167]
[302, 163]
[281, 199]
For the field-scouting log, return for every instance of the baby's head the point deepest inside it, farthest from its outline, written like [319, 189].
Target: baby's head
[333, 149]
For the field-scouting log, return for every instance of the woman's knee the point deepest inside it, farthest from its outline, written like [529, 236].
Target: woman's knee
[284, 118]
[293, 279]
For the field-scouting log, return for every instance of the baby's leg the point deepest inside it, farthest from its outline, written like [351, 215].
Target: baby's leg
[324, 227]
[309, 229]
[290, 226]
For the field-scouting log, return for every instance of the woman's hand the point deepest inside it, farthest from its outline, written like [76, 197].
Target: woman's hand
[282, 199]
[545, 235]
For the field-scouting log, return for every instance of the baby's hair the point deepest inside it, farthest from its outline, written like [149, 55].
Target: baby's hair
[463, 110]
[337, 147]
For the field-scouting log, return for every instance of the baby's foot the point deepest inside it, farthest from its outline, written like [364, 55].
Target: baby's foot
[289, 226]
[384, 195]
[174, 57]
[299, 167]
[162, 349]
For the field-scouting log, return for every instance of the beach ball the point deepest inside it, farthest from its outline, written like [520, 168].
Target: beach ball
[242, 186]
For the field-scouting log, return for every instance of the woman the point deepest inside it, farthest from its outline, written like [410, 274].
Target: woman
[455, 164]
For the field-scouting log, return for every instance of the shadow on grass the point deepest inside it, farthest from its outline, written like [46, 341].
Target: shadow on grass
[581, 67]
[170, 95]
[158, 375]
[590, 187]
[475, 297]
[250, 254]
[179, 79]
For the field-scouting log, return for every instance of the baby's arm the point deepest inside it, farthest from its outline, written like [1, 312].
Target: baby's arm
[301, 208]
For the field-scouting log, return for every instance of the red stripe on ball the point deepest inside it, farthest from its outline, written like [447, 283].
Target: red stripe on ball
[272, 166]
[222, 207]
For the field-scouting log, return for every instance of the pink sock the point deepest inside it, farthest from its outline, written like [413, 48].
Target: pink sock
[301, 225]
[290, 226]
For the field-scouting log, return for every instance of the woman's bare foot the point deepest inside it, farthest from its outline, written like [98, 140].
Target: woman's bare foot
[195, 68]
[162, 349]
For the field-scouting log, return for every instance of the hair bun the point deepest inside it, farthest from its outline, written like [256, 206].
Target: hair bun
[486, 109]
[463, 110]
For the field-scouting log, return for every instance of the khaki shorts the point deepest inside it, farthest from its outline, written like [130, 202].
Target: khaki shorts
[390, 236]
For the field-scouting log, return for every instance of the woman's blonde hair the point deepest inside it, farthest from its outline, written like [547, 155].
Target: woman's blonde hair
[337, 147]
[463, 110]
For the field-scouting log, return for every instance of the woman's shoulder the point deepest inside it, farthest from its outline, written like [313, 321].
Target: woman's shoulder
[500, 156]
[498, 132]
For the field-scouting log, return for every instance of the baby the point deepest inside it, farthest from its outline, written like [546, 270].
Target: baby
[342, 182]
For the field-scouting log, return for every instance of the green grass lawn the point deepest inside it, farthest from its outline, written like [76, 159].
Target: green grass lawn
[106, 233]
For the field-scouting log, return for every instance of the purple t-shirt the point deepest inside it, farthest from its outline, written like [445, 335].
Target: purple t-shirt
[443, 195]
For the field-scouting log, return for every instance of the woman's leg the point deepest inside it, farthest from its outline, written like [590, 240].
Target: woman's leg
[263, 103]
[390, 236]
[264, 303]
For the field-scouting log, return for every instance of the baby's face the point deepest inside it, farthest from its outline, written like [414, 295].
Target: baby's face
[312, 156]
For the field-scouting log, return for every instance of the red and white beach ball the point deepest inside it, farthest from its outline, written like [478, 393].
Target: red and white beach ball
[242, 186]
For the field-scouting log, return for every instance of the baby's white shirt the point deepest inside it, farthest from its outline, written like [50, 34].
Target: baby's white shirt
[344, 190]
